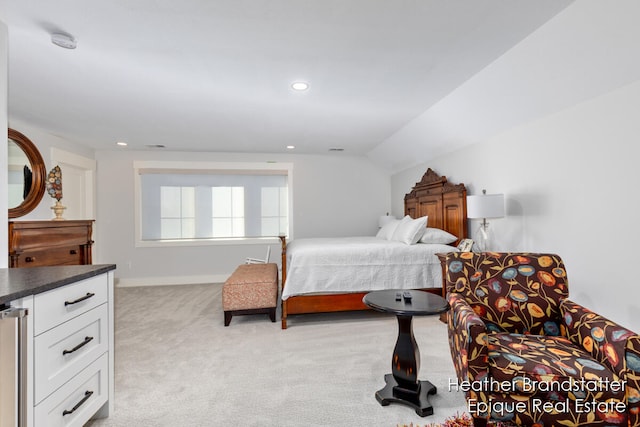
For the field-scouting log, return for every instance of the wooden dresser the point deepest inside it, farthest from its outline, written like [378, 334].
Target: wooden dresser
[43, 243]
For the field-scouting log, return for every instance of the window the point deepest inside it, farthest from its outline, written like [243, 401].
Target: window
[274, 210]
[191, 203]
[227, 206]
[177, 212]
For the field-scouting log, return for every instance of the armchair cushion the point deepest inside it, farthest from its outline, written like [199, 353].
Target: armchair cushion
[533, 362]
[518, 293]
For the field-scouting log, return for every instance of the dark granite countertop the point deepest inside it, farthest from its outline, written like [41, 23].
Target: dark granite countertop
[20, 282]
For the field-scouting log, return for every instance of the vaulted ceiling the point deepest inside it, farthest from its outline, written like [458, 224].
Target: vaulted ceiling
[216, 75]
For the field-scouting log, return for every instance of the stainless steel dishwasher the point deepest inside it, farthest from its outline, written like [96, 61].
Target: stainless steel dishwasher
[13, 366]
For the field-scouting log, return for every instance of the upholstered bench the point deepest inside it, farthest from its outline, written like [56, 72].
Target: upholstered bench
[251, 289]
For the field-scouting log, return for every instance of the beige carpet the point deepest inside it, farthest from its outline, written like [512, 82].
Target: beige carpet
[177, 365]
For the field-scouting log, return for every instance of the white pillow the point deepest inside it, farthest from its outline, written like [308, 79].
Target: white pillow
[436, 235]
[409, 230]
[387, 230]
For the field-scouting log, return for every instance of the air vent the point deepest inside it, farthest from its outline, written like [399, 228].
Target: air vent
[155, 146]
[336, 149]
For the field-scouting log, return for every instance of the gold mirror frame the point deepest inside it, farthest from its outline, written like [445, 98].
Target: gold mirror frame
[39, 173]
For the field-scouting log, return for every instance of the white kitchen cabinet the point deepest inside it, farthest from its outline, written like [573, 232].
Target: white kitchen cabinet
[69, 373]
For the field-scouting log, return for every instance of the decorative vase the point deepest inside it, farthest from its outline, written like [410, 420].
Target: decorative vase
[58, 209]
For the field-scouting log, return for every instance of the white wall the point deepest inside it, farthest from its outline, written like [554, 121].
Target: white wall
[332, 196]
[4, 42]
[570, 182]
[553, 125]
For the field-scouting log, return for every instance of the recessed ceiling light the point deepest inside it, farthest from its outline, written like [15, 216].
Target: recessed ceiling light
[290, 147]
[66, 41]
[121, 143]
[300, 86]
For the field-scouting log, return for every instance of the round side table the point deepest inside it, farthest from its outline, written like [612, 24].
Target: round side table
[402, 385]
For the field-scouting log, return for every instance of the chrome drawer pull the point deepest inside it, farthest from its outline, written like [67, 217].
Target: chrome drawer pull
[30, 259]
[86, 341]
[87, 296]
[87, 395]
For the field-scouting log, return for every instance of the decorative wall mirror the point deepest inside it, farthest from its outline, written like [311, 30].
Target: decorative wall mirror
[26, 175]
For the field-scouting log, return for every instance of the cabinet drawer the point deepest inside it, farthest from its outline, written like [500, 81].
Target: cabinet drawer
[59, 305]
[86, 393]
[66, 255]
[62, 352]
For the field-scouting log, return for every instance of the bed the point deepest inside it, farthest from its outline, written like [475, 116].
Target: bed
[333, 274]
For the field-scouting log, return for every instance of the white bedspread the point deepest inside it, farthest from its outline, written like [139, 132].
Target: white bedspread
[357, 264]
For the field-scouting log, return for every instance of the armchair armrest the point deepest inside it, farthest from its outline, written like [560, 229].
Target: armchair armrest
[611, 344]
[468, 340]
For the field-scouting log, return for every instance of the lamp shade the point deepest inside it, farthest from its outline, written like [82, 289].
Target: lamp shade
[485, 206]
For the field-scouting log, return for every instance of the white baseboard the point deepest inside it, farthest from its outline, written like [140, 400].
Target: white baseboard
[170, 280]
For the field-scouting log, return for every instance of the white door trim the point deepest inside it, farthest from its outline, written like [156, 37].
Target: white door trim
[89, 165]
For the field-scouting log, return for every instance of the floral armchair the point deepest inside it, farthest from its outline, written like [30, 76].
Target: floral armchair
[527, 355]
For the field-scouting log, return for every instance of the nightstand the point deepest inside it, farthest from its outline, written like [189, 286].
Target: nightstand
[443, 258]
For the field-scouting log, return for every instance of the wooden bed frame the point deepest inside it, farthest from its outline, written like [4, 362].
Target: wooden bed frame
[443, 202]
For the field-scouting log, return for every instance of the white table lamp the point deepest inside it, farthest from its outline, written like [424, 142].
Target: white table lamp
[485, 206]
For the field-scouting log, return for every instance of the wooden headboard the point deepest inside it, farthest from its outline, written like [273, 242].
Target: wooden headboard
[444, 203]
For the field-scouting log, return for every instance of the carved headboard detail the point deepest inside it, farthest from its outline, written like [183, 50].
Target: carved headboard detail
[443, 202]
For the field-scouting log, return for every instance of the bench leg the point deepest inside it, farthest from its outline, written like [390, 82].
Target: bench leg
[283, 309]
[270, 311]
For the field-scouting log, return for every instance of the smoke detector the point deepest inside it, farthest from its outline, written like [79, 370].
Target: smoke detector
[64, 40]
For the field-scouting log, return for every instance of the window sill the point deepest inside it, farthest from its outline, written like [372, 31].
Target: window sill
[207, 242]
